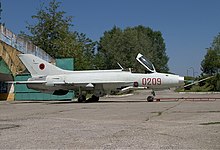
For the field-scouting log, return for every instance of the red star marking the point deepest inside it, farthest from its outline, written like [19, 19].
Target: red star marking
[41, 66]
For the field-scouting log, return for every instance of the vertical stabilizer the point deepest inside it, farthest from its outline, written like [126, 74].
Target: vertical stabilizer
[37, 66]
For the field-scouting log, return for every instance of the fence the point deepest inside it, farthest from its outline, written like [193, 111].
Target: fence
[22, 45]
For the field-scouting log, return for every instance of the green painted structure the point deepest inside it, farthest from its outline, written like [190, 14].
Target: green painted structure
[4, 67]
[65, 63]
[5, 74]
[23, 93]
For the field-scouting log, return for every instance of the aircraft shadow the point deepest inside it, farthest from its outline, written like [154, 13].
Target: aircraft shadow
[75, 102]
[99, 102]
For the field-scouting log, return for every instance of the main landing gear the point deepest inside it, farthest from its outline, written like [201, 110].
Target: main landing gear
[82, 97]
[93, 99]
[151, 98]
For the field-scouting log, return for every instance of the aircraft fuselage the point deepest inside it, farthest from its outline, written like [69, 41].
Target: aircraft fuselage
[107, 81]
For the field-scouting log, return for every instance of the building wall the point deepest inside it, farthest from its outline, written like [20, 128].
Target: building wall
[22, 45]
[10, 65]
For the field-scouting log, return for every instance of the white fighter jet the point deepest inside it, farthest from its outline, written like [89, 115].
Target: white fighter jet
[46, 77]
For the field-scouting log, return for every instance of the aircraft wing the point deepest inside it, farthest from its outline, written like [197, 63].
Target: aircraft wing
[77, 84]
[92, 83]
[100, 82]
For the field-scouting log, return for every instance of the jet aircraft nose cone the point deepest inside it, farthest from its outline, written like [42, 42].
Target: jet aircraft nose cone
[181, 80]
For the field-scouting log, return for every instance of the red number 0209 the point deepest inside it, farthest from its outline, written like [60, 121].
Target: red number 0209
[151, 81]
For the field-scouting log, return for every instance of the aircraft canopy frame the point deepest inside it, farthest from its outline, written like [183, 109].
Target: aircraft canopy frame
[146, 63]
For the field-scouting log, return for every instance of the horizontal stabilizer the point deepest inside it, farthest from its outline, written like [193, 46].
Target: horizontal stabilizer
[26, 82]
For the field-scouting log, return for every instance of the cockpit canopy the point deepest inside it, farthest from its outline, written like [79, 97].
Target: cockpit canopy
[146, 63]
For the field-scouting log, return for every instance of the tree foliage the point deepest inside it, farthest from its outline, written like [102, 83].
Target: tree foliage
[122, 46]
[85, 58]
[211, 61]
[214, 83]
[52, 34]
[210, 66]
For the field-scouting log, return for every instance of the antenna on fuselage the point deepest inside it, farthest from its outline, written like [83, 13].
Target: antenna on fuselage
[120, 66]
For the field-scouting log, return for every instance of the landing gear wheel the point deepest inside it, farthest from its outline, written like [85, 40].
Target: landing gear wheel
[150, 98]
[82, 99]
[95, 98]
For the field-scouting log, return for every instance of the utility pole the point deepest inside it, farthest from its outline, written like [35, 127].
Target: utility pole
[193, 72]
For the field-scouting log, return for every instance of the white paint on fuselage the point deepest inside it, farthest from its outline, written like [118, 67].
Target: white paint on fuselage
[110, 80]
[167, 80]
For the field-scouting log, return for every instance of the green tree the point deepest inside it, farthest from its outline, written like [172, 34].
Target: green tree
[51, 32]
[211, 62]
[85, 60]
[107, 49]
[215, 83]
[122, 46]
[210, 65]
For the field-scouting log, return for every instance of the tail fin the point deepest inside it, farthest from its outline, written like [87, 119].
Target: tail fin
[36, 66]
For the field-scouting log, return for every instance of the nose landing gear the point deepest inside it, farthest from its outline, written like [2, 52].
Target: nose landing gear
[151, 98]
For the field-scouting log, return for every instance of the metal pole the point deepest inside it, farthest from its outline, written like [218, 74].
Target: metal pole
[193, 71]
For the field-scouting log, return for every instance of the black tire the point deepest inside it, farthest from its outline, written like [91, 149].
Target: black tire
[96, 98]
[150, 98]
[82, 99]
[93, 98]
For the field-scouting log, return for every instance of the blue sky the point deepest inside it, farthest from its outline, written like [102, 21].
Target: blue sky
[188, 26]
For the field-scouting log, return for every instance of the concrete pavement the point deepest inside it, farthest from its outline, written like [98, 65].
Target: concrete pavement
[113, 123]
